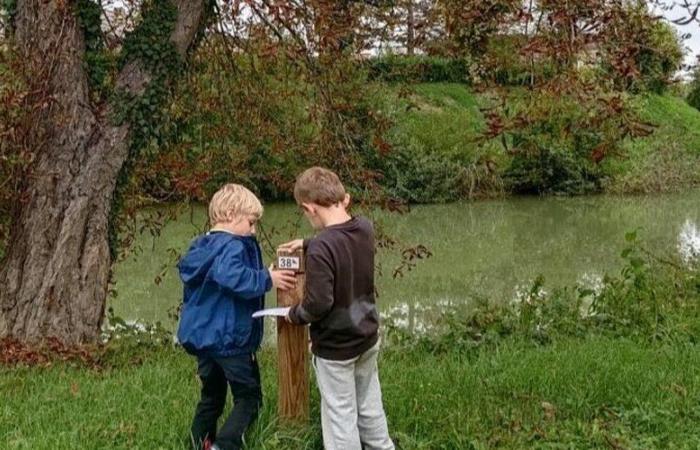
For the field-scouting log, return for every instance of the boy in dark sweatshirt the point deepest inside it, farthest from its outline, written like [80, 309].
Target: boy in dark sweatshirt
[340, 307]
[224, 283]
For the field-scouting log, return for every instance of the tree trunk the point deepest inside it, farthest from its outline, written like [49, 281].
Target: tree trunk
[410, 28]
[55, 276]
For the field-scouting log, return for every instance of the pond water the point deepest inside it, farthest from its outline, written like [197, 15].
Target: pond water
[490, 249]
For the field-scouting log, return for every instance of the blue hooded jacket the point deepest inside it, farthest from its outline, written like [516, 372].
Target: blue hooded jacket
[224, 284]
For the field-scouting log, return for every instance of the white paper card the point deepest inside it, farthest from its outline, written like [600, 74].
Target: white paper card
[278, 312]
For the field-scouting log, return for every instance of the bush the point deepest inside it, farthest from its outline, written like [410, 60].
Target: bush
[557, 143]
[416, 176]
[551, 171]
[693, 98]
[419, 69]
[259, 121]
[659, 58]
[651, 299]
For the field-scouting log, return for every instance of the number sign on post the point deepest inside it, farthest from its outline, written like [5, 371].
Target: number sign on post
[289, 262]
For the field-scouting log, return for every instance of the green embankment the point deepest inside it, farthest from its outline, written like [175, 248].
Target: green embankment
[439, 125]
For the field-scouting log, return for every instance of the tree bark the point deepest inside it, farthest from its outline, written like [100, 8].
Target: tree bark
[410, 28]
[55, 277]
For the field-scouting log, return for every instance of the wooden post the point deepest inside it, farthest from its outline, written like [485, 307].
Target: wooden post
[292, 347]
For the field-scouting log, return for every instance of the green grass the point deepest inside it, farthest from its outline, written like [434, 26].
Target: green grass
[668, 159]
[586, 393]
[439, 118]
[444, 119]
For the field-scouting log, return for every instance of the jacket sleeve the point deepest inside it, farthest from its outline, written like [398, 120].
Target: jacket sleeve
[318, 299]
[230, 272]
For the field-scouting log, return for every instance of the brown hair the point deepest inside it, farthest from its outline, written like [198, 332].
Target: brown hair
[231, 201]
[320, 186]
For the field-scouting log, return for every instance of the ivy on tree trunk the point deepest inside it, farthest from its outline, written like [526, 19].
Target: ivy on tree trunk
[55, 276]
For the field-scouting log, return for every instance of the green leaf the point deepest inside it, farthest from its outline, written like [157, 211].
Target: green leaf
[586, 292]
[636, 262]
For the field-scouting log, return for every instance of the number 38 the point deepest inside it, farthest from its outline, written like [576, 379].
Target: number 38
[288, 263]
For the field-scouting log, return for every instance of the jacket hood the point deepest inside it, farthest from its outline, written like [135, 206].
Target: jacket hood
[204, 251]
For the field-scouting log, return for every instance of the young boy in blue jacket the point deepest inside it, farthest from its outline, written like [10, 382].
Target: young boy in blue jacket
[224, 284]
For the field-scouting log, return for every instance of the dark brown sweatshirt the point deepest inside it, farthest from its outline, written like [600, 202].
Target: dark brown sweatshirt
[339, 300]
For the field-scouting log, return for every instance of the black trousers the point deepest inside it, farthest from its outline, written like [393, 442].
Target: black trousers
[242, 374]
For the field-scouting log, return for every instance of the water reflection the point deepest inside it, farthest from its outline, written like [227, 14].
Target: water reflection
[689, 243]
[496, 249]
[422, 318]
[490, 250]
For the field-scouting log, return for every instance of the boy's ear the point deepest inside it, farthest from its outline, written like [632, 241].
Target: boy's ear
[346, 201]
[308, 208]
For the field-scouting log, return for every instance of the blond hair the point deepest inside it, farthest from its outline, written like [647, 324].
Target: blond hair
[231, 201]
[320, 186]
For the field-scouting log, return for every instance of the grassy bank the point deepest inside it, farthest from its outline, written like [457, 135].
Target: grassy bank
[667, 160]
[438, 125]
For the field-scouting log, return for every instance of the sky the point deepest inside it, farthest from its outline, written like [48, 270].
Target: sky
[693, 29]
[693, 44]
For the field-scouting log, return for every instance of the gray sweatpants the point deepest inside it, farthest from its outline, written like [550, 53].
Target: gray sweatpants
[352, 414]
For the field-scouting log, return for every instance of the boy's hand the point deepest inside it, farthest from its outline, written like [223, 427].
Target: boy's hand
[292, 246]
[283, 279]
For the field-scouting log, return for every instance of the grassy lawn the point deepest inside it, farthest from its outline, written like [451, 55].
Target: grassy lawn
[440, 117]
[577, 393]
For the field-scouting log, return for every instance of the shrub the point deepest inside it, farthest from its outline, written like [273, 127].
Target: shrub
[551, 171]
[659, 58]
[557, 142]
[651, 299]
[260, 120]
[416, 176]
[693, 98]
[419, 69]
